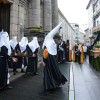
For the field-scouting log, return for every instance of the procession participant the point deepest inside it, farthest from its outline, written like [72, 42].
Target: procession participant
[5, 52]
[32, 50]
[13, 43]
[52, 75]
[67, 51]
[73, 59]
[81, 54]
[76, 52]
[21, 48]
[85, 50]
[61, 48]
[70, 53]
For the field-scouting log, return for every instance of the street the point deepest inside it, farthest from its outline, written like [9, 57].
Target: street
[30, 87]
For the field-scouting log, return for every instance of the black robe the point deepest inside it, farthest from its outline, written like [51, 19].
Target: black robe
[32, 61]
[60, 52]
[4, 57]
[76, 53]
[21, 60]
[67, 53]
[52, 74]
[13, 64]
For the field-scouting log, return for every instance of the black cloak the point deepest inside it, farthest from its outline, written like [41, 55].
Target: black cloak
[32, 61]
[52, 74]
[4, 57]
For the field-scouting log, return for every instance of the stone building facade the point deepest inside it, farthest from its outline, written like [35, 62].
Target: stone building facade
[29, 13]
[19, 15]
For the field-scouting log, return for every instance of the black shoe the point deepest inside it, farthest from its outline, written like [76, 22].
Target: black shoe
[36, 73]
[22, 71]
[25, 75]
[14, 73]
[8, 87]
[44, 93]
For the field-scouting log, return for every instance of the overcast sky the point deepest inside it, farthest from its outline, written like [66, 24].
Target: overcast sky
[75, 11]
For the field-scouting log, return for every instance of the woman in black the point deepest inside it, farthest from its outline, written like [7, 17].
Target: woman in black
[13, 44]
[21, 48]
[32, 50]
[52, 74]
[5, 52]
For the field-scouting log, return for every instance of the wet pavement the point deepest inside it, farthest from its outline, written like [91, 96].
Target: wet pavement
[86, 82]
[29, 88]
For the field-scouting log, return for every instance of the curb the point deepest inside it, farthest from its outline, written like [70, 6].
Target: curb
[71, 86]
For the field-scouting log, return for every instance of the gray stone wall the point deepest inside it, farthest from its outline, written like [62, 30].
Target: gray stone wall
[17, 18]
[47, 15]
[34, 13]
[54, 13]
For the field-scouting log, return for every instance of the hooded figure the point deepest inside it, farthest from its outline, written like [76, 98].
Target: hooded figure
[52, 75]
[5, 52]
[13, 43]
[21, 48]
[32, 50]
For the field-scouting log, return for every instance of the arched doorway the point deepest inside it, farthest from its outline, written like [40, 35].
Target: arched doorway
[5, 15]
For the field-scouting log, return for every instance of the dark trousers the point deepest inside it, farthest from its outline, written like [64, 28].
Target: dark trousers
[85, 55]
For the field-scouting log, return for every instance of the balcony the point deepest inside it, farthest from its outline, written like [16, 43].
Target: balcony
[96, 29]
[96, 12]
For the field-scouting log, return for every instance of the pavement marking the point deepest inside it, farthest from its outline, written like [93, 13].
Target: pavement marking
[71, 86]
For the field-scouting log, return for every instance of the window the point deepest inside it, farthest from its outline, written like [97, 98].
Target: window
[97, 23]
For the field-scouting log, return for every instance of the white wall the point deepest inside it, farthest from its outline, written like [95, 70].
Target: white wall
[67, 31]
[90, 18]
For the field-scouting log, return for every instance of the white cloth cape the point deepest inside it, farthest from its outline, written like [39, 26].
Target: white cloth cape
[23, 43]
[34, 44]
[13, 42]
[4, 41]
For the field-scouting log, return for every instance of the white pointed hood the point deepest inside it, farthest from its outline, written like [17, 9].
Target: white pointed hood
[23, 43]
[49, 41]
[13, 42]
[34, 44]
[4, 41]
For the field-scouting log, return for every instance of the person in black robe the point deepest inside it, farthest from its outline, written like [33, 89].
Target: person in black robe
[13, 44]
[52, 75]
[76, 53]
[67, 51]
[21, 48]
[32, 50]
[5, 52]
[61, 50]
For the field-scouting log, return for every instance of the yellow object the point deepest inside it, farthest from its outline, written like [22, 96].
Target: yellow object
[74, 55]
[81, 56]
[70, 53]
[45, 54]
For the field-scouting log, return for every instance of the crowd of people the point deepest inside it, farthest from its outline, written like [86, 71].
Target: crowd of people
[66, 52]
[16, 55]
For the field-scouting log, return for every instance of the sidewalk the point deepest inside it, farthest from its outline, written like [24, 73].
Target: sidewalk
[86, 82]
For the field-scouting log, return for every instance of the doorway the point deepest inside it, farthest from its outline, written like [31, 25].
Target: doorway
[5, 17]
